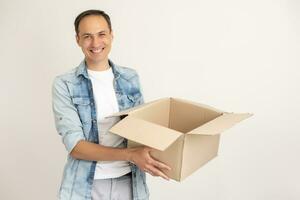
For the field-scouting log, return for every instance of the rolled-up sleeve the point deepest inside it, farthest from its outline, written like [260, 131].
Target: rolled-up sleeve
[67, 121]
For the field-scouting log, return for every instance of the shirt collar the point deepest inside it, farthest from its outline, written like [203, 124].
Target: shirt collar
[82, 69]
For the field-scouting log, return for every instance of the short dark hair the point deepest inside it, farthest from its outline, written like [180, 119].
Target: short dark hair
[88, 13]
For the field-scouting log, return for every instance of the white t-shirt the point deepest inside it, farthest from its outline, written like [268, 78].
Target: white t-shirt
[106, 104]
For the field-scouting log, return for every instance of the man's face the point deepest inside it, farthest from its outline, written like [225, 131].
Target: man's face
[94, 38]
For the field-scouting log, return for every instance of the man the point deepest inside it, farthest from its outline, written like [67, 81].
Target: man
[99, 166]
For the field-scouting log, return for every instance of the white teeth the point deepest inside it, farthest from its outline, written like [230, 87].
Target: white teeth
[97, 50]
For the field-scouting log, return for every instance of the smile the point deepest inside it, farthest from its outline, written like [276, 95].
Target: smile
[97, 50]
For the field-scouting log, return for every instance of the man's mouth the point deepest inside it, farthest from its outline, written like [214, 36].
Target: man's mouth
[97, 50]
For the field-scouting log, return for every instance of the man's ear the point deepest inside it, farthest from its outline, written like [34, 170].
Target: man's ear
[77, 39]
[112, 35]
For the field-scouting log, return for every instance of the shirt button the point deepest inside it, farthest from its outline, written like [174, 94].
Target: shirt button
[94, 121]
[92, 103]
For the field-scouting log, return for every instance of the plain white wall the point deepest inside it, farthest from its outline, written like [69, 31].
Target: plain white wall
[240, 56]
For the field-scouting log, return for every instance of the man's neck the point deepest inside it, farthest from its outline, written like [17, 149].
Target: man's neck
[97, 66]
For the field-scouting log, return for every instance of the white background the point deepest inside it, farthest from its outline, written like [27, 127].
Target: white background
[240, 56]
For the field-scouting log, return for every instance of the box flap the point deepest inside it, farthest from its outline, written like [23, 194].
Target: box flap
[145, 133]
[221, 123]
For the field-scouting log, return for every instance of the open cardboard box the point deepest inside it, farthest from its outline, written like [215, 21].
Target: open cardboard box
[184, 134]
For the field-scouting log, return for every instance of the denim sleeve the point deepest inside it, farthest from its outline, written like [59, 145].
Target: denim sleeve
[140, 100]
[67, 121]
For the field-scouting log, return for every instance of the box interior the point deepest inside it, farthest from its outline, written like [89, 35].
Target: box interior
[177, 115]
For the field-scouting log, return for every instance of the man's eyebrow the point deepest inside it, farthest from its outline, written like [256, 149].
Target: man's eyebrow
[83, 34]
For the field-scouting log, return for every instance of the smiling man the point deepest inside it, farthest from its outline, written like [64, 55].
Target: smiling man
[99, 166]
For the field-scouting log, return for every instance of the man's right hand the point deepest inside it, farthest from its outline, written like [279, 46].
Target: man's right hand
[141, 157]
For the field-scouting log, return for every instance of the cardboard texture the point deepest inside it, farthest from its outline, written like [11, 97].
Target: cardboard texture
[184, 134]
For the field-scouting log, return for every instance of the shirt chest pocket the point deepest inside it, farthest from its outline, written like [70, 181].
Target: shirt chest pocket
[127, 101]
[135, 99]
[83, 106]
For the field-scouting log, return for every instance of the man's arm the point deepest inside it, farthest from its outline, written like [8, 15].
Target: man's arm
[69, 127]
[140, 156]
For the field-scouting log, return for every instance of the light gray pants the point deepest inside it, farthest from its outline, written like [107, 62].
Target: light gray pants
[113, 188]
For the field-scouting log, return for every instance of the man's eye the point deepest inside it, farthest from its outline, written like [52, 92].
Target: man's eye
[86, 37]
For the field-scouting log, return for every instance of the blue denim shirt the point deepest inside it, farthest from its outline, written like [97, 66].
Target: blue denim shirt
[75, 120]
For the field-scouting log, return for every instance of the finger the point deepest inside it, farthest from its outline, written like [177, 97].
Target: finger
[161, 165]
[149, 172]
[156, 172]
[148, 149]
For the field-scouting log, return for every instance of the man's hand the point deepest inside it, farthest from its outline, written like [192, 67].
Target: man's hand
[141, 157]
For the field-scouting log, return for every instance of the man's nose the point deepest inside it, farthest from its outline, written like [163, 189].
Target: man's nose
[96, 41]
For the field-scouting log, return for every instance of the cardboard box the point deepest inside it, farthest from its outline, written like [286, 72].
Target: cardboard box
[184, 134]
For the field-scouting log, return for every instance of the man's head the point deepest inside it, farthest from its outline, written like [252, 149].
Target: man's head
[88, 13]
[94, 36]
